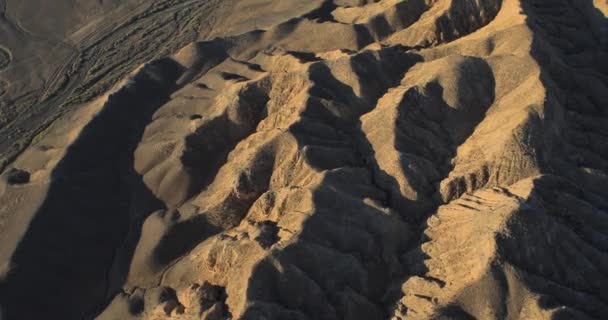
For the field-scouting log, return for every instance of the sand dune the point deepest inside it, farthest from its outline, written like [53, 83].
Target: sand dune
[345, 159]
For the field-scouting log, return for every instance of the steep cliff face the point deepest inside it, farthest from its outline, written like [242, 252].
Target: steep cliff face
[419, 159]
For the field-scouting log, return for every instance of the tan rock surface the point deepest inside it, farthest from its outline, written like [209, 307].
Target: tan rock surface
[345, 159]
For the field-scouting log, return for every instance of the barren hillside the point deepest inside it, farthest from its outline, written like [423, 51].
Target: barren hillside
[284, 159]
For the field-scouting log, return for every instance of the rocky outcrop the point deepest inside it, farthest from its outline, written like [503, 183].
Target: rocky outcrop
[365, 160]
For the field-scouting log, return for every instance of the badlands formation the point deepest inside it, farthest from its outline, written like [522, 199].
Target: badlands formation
[289, 159]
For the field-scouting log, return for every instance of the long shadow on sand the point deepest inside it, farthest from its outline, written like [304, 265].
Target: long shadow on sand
[62, 266]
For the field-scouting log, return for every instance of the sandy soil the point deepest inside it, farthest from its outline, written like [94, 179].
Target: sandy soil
[345, 159]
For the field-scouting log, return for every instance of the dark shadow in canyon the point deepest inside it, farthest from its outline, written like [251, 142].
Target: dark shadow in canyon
[62, 265]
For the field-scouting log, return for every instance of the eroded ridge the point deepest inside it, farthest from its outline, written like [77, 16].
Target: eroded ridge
[420, 159]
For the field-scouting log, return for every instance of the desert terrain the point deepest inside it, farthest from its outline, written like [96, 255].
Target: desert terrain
[319, 159]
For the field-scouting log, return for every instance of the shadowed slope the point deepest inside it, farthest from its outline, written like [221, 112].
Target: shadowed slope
[440, 159]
